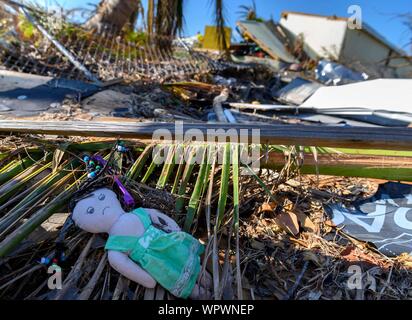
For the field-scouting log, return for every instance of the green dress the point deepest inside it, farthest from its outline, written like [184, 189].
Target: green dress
[172, 259]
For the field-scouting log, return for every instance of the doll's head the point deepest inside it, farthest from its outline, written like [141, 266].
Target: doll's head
[97, 211]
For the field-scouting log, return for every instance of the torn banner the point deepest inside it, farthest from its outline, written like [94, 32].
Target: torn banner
[384, 219]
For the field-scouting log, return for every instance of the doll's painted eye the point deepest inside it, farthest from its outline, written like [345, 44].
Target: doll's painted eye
[101, 197]
[90, 210]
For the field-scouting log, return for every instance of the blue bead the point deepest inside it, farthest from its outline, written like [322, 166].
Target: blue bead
[92, 175]
[121, 148]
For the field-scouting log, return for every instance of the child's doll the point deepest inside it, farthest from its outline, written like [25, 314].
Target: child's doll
[145, 245]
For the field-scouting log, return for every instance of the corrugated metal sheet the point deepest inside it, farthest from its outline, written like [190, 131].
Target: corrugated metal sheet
[297, 91]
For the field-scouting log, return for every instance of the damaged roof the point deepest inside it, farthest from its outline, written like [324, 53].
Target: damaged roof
[382, 94]
[260, 33]
[365, 28]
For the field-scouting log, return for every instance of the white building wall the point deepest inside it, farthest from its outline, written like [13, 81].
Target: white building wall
[322, 34]
[402, 66]
[362, 49]
[330, 38]
[360, 46]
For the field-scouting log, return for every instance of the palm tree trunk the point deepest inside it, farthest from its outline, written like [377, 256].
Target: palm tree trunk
[150, 16]
[169, 21]
[220, 25]
[113, 14]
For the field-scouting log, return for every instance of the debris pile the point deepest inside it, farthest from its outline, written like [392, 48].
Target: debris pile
[284, 85]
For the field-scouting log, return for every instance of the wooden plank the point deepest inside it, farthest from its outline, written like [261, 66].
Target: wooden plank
[262, 107]
[322, 136]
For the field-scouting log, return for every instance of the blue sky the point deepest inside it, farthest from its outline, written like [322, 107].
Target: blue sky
[380, 14]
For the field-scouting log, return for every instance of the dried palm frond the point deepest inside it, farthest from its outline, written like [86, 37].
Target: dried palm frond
[220, 22]
[249, 12]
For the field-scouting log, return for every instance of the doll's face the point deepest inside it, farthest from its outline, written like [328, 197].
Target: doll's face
[98, 211]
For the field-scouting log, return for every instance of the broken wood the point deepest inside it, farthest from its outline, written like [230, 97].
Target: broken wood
[350, 137]
[262, 107]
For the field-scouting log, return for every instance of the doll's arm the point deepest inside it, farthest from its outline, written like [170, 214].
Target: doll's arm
[156, 216]
[127, 267]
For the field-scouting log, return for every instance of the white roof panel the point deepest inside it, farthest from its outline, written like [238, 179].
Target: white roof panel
[394, 95]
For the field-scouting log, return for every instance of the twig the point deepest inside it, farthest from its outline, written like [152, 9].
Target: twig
[88, 289]
[292, 290]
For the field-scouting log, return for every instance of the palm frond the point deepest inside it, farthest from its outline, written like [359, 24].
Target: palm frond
[208, 199]
[220, 22]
